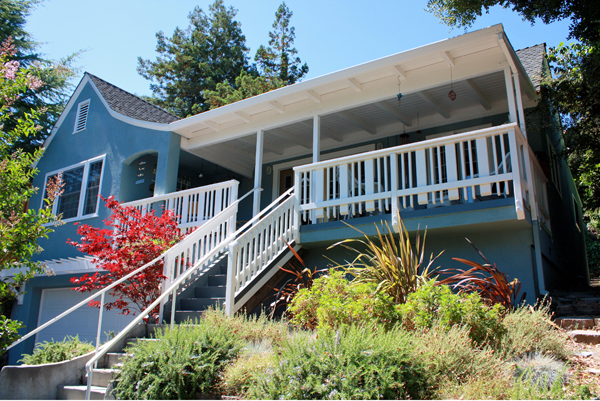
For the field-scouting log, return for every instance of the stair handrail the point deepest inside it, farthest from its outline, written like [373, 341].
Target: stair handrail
[103, 291]
[101, 351]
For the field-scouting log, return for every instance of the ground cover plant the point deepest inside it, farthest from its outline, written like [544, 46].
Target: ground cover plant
[57, 351]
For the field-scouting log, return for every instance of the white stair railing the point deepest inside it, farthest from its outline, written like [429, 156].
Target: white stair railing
[193, 207]
[262, 240]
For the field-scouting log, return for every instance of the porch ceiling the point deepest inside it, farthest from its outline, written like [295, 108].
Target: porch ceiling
[359, 104]
[476, 97]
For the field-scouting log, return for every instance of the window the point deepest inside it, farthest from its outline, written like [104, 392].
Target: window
[81, 187]
[81, 118]
[554, 165]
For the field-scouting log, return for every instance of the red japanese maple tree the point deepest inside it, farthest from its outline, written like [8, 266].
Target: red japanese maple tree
[131, 241]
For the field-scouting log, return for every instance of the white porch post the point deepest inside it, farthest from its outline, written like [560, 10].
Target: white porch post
[510, 94]
[317, 179]
[258, 171]
[520, 109]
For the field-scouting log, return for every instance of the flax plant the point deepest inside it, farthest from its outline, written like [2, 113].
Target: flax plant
[393, 264]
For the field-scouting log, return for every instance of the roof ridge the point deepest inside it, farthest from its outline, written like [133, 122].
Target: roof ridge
[136, 97]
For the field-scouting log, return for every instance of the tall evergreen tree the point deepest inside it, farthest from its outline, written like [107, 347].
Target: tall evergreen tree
[210, 51]
[55, 76]
[279, 58]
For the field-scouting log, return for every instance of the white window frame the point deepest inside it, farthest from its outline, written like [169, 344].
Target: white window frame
[86, 169]
[78, 116]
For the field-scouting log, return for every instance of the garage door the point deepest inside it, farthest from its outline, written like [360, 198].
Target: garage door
[82, 322]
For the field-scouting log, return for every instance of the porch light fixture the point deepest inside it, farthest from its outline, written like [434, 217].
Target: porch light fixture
[451, 94]
[399, 95]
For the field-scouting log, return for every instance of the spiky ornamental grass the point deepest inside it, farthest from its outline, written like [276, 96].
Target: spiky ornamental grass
[395, 266]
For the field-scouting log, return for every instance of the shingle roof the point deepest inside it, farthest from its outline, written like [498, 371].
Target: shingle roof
[130, 105]
[532, 59]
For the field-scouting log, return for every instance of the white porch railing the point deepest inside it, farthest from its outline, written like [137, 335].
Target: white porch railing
[263, 239]
[463, 168]
[193, 207]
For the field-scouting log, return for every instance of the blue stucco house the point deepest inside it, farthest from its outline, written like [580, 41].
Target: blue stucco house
[448, 136]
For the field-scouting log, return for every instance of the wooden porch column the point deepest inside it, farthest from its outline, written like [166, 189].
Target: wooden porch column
[510, 94]
[258, 171]
[520, 109]
[317, 181]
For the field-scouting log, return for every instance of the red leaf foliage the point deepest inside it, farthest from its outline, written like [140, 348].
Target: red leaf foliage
[131, 241]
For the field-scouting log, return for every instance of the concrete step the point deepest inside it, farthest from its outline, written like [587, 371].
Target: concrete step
[210, 292]
[181, 316]
[101, 377]
[112, 359]
[577, 322]
[586, 336]
[78, 393]
[134, 341]
[201, 303]
[218, 279]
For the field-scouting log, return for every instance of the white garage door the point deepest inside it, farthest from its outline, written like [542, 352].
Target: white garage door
[83, 321]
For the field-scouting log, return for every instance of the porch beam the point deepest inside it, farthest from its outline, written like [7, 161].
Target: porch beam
[315, 97]
[360, 123]
[354, 84]
[478, 94]
[448, 58]
[280, 132]
[400, 71]
[278, 107]
[251, 140]
[258, 171]
[326, 131]
[426, 96]
[212, 125]
[243, 116]
[397, 114]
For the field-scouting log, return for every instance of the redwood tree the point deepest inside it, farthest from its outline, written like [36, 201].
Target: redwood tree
[130, 241]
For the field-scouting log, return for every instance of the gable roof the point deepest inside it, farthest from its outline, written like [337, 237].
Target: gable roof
[130, 105]
[532, 59]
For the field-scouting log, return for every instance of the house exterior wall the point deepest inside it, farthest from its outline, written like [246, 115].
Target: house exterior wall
[108, 136]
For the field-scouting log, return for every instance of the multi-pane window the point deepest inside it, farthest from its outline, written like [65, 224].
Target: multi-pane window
[80, 190]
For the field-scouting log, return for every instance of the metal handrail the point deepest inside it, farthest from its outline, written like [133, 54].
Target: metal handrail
[104, 290]
[172, 289]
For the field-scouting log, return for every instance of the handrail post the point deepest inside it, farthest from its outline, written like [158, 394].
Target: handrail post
[394, 190]
[99, 332]
[298, 211]
[173, 301]
[229, 289]
[517, 174]
[165, 285]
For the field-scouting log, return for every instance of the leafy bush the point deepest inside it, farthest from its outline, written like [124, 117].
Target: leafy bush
[333, 302]
[354, 363]
[396, 269]
[9, 332]
[57, 351]
[529, 330]
[184, 362]
[437, 305]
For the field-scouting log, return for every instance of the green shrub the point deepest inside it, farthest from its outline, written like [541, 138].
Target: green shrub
[9, 332]
[451, 357]
[184, 362]
[529, 330]
[51, 352]
[250, 328]
[435, 304]
[353, 363]
[333, 302]
[246, 370]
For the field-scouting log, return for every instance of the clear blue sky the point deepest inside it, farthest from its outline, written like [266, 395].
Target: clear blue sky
[330, 34]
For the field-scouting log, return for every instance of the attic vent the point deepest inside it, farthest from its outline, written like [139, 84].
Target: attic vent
[82, 113]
